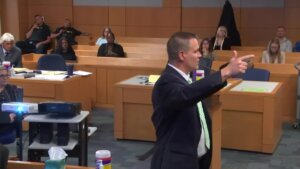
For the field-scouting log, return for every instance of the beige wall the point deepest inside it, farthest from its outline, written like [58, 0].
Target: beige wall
[10, 17]
[256, 25]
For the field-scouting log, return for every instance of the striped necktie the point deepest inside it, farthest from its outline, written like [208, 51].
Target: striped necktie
[203, 121]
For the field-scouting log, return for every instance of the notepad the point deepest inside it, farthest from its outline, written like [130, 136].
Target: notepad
[153, 78]
[47, 72]
[253, 89]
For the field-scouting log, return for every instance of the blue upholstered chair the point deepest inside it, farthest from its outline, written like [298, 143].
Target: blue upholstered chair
[51, 62]
[255, 74]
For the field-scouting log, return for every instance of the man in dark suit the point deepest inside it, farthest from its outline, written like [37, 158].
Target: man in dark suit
[9, 52]
[182, 123]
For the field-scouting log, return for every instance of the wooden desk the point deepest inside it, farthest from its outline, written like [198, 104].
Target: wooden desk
[252, 120]
[36, 165]
[285, 73]
[64, 90]
[133, 111]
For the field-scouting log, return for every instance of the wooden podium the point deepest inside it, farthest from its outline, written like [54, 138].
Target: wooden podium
[251, 116]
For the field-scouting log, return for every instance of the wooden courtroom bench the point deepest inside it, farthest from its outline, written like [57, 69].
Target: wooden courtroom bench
[141, 40]
[36, 165]
[92, 50]
[249, 48]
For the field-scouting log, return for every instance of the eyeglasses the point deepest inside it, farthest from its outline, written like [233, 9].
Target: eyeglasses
[4, 76]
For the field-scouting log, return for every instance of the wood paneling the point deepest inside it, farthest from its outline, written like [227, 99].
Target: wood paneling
[201, 17]
[256, 25]
[117, 16]
[259, 36]
[150, 31]
[257, 18]
[291, 17]
[10, 19]
[89, 15]
[54, 11]
[163, 17]
[172, 3]
[291, 3]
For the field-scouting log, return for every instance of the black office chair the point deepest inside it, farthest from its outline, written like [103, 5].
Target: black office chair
[255, 74]
[51, 62]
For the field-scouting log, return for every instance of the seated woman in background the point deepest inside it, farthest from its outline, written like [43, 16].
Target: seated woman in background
[102, 39]
[64, 49]
[111, 48]
[273, 53]
[221, 41]
[206, 49]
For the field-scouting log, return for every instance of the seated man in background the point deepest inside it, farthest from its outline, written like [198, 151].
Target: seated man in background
[37, 38]
[8, 50]
[285, 44]
[64, 49]
[67, 31]
[3, 157]
[111, 48]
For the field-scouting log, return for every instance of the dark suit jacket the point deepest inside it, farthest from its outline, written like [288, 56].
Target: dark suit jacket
[226, 44]
[117, 49]
[15, 56]
[176, 119]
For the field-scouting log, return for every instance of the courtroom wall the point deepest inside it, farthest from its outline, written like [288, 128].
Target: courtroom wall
[256, 19]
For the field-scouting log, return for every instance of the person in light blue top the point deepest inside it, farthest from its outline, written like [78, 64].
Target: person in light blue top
[102, 39]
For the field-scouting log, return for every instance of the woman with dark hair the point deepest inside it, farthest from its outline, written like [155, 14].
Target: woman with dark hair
[206, 49]
[273, 53]
[64, 49]
[102, 39]
[111, 48]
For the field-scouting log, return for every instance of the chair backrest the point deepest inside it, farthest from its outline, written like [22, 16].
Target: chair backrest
[256, 74]
[51, 62]
[296, 48]
[205, 64]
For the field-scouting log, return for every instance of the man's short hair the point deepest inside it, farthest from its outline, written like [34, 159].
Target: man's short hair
[179, 41]
[6, 37]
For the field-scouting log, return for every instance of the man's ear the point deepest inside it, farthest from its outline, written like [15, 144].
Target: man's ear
[181, 56]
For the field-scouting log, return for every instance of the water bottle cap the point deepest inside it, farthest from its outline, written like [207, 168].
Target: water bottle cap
[103, 154]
